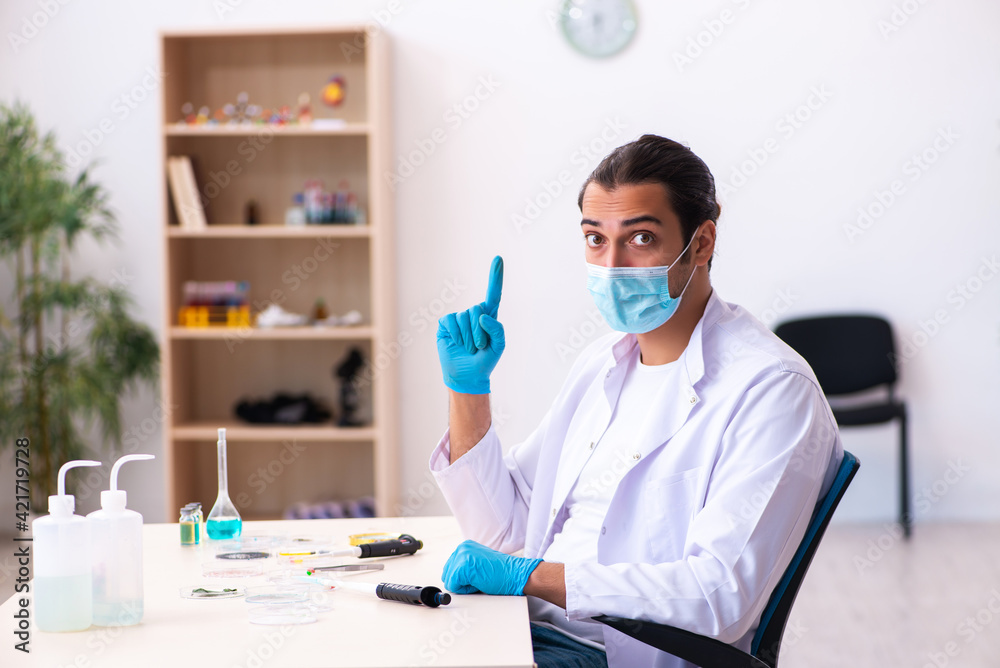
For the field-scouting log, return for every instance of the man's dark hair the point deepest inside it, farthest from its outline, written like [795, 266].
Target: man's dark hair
[689, 184]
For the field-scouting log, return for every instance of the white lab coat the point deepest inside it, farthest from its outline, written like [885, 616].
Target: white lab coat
[717, 497]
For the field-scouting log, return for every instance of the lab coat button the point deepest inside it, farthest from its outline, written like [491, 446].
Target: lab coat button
[604, 530]
[636, 456]
[694, 399]
[554, 512]
[607, 375]
[591, 446]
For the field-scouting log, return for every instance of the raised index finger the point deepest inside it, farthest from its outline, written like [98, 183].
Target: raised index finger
[492, 303]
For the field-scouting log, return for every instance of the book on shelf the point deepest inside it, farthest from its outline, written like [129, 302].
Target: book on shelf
[184, 191]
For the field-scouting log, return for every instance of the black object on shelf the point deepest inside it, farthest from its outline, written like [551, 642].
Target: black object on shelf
[350, 399]
[283, 409]
[253, 215]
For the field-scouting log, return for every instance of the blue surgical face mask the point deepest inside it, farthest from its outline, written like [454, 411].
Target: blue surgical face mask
[634, 299]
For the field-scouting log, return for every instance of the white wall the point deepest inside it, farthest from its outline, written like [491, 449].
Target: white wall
[786, 247]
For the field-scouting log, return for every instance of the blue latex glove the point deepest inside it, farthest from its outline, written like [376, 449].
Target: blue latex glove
[473, 567]
[470, 342]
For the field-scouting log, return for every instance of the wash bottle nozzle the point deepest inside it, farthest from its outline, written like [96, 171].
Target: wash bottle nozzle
[114, 498]
[63, 504]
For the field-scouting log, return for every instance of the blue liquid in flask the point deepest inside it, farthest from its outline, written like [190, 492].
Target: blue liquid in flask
[223, 529]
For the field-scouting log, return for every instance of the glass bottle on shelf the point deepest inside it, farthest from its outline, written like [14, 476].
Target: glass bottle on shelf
[224, 520]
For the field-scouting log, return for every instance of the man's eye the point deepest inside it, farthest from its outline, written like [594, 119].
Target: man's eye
[643, 239]
[592, 239]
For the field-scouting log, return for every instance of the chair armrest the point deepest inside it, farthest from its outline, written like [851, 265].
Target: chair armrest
[699, 650]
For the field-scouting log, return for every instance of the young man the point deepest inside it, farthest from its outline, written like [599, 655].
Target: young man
[675, 473]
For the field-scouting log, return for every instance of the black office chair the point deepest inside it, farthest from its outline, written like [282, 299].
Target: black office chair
[711, 653]
[849, 354]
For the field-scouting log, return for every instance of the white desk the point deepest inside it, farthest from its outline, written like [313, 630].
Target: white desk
[360, 631]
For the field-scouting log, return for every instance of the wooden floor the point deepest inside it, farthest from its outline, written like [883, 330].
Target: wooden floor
[872, 599]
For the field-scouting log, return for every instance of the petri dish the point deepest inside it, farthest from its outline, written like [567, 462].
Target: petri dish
[307, 540]
[280, 615]
[258, 543]
[305, 545]
[242, 554]
[223, 568]
[286, 576]
[274, 594]
[320, 600]
[283, 575]
[319, 595]
[212, 590]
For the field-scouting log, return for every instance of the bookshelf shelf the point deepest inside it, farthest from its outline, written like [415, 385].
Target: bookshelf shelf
[238, 431]
[348, 130]
[274, 333]
[271, 232]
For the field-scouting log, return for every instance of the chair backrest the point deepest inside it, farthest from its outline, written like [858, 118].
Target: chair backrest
[767, 640]
[848, 353]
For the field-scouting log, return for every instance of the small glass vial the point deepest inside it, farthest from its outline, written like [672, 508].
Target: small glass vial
[199, 521]
[191, 524]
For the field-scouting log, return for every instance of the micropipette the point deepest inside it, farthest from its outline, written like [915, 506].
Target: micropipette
[405, 544]
[432, 597]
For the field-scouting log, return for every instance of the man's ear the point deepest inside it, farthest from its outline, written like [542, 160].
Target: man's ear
[704, 246]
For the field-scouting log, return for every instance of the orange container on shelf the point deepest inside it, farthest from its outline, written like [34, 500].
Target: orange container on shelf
[214, 316]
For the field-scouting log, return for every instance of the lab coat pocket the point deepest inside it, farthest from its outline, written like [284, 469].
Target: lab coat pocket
[670, 505]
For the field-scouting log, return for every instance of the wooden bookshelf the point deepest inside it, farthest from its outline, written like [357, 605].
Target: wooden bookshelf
[206, 371]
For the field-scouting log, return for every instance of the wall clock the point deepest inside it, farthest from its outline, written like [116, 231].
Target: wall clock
[598, 28]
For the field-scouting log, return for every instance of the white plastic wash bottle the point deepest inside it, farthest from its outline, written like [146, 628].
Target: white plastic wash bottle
[116, 554]
[62, 598]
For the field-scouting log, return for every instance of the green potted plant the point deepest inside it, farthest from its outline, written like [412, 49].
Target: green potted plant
[69, 351]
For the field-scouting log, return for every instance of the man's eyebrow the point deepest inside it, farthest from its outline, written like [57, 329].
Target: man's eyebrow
[626, 223]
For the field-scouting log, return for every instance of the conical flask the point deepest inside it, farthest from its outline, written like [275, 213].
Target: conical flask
[224, 521]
